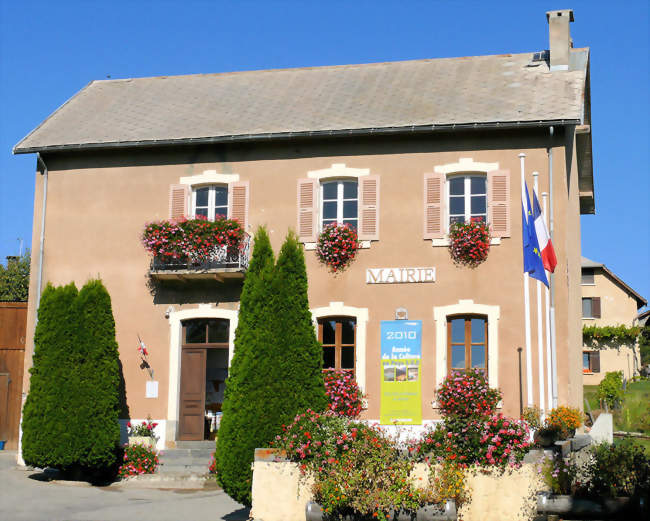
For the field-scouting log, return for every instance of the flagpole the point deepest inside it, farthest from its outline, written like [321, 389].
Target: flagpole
[529, 368]
[551, 220]
[547, 316]
[540, 341]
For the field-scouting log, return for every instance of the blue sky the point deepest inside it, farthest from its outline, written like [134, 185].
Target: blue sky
[50, 50]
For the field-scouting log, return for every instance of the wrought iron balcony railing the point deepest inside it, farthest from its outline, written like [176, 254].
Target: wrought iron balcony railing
[225, 262]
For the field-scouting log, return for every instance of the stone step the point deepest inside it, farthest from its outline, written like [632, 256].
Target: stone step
[170, 480]
[205, 444]
[171, 454]
[193, 470]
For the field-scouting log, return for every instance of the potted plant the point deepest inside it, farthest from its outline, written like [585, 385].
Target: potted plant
[469, 242]
[337, 246]
[142, 434]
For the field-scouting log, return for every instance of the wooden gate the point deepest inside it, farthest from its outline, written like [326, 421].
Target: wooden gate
[13, 321]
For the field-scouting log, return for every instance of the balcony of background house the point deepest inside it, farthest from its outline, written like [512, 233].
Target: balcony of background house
[197, 249]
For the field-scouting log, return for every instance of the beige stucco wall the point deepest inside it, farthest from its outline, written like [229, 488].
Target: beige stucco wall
[99, 202]
[617, 306]
[281, 492]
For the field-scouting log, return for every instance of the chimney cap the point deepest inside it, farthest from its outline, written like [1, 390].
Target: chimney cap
[560, 12]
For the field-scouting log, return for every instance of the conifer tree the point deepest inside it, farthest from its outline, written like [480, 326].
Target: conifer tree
[47, 438]
[298, 356]
[96, 420]
[238, 433]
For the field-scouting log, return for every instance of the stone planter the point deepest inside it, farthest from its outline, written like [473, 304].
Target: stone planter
[446, 512]
[584, 508]
[546, 438]
[147, 441]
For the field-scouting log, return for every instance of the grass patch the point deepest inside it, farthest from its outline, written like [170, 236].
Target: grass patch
[634, 414]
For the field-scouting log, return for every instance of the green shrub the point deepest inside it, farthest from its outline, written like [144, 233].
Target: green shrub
[610, 389]
[620, 469]
[70, 419]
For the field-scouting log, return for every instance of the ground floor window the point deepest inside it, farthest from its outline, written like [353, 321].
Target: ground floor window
[467, 343]
[591, 362]
[339, 337]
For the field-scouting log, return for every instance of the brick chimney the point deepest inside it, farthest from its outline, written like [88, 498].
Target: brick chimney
[559, 38]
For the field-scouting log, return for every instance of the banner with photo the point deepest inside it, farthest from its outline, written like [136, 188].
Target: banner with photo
[401, 355]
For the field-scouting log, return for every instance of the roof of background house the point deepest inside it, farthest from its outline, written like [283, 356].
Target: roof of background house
[500, 90]
[588, 263]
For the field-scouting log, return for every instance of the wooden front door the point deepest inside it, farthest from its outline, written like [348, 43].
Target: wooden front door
[192, 416]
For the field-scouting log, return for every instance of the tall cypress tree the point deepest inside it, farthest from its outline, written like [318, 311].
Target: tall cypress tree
[96, 357]
[239, 433]
[298, 357]
[47, 439]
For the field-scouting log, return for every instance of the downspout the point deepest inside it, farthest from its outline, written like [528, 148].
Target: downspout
[552, 281]
[42, 238]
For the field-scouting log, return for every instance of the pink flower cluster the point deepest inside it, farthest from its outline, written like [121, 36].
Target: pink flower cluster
[144, 429]
[345, 397]
[467, 394]
[193, 240]
[337, 246]
[504, 441]
[138, 459]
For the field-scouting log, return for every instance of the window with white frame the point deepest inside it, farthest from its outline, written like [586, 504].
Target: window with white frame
[467, 198]
[210, 201]
[339, 203]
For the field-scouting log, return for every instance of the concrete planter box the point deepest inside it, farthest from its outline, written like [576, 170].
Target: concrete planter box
[314, 512]
[147, 441]
[583, 508]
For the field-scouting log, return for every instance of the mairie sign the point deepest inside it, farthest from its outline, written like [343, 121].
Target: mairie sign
[400, 275]
[401, 353]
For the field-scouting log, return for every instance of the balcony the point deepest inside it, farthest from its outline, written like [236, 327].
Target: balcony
[225, 263]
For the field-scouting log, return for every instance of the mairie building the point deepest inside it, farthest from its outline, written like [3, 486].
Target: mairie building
[397, 150]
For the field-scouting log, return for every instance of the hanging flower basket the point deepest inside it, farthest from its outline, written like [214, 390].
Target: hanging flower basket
[337, 246]
[469, 242]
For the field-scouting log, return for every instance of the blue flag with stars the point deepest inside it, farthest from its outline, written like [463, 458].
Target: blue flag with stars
[532, 256]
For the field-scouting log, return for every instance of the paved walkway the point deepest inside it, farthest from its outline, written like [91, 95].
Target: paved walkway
[24, 498]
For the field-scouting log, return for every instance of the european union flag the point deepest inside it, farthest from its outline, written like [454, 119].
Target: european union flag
[532, 255]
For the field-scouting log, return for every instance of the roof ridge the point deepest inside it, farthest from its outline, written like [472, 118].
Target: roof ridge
[312, 67]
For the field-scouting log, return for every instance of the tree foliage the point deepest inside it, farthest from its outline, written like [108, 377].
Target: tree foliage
[644, 345]
[599, 337]
[70, 418]
[14, 279]
[276, 370]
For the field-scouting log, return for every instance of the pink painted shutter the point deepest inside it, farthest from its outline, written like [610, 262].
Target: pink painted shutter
[307, 210]
[499, 202]
[178, 201]
[238, 198]
[434, 211]
[369, 208]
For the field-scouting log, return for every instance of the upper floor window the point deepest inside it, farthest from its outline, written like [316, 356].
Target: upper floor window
[467, 196]
[209, 332]
[339, 337]
[591, 307]
[467, 346]
[339, 203]
[587, 276]
[210, 202]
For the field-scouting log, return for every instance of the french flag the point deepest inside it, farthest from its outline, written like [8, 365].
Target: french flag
[543, 238]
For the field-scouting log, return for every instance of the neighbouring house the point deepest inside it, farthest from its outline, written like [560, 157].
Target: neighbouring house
[397, 150]
[608, 301]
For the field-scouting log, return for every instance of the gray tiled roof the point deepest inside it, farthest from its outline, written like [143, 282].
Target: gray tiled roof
[419, 93]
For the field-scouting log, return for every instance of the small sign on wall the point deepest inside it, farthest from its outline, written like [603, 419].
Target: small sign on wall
[400, 275]
[152, 389]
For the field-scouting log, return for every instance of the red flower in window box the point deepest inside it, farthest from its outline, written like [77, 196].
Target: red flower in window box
[337, 246]
[469, 242]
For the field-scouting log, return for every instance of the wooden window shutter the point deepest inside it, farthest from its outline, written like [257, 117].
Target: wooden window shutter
[434, 206]
[238, 197]
[178, 201]
[499, 202]
[307, 210]
[369, 208]
[594, 358]
[595, 307]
